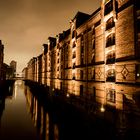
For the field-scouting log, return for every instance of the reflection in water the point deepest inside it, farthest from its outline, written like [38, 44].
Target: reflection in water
[58, 121]
[15, 120]
[41, 118]
[47, 127]
[25, 113]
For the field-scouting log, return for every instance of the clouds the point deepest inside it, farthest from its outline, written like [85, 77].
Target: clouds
[26, 24]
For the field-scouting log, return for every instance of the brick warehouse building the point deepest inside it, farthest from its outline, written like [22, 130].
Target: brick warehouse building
[97, 58]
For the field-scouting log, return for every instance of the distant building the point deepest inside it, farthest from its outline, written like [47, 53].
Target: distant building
[1, 60]
[13, 65]
[8, 72]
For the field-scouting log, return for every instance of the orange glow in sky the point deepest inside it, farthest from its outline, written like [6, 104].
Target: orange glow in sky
[26, 24]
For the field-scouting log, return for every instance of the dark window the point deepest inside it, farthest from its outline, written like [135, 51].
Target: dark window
[93, 44]
[108, 7]
[58, 61]
[110, 58]
[93, 94]
[93, 31]
[73, 66]
[74, 55]
[82, 60]
[110, 40]
[110, 75]
[74, 44]
[82, 49]
[73, 76]
[73, 34]
[110, 23]
[81, 75]
[97, 23]
[81, 90]
[138, 25]
[111, 95]
[93, 74]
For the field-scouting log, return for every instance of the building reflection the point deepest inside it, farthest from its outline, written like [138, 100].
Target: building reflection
[45, 125]
[123, 119]
[7, 92]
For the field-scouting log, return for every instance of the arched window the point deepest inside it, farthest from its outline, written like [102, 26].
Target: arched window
[110, 57]
[110, 75]
[110, 40]
[110, 23]
[74, 55]
[74, 44]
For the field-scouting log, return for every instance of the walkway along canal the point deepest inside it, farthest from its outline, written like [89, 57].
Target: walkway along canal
[29, 112]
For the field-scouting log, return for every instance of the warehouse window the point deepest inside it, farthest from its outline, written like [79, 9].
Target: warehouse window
[110, 58]
[110, 75]
[110, 23]
[110, 40]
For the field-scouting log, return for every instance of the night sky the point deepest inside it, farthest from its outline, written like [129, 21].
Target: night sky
[26, 24]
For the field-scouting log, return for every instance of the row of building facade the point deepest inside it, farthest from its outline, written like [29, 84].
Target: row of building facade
[98, 57]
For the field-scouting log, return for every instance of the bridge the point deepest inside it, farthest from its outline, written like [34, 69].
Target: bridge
[18, 78]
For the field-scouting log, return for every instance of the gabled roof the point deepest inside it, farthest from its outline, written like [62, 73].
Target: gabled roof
[80, 18]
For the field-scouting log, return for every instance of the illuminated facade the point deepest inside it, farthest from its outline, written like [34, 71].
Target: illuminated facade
[98, 58]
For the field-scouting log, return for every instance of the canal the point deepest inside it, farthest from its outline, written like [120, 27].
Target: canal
[26, 113]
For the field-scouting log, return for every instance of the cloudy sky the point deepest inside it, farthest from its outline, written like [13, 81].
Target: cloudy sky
[26, 24]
